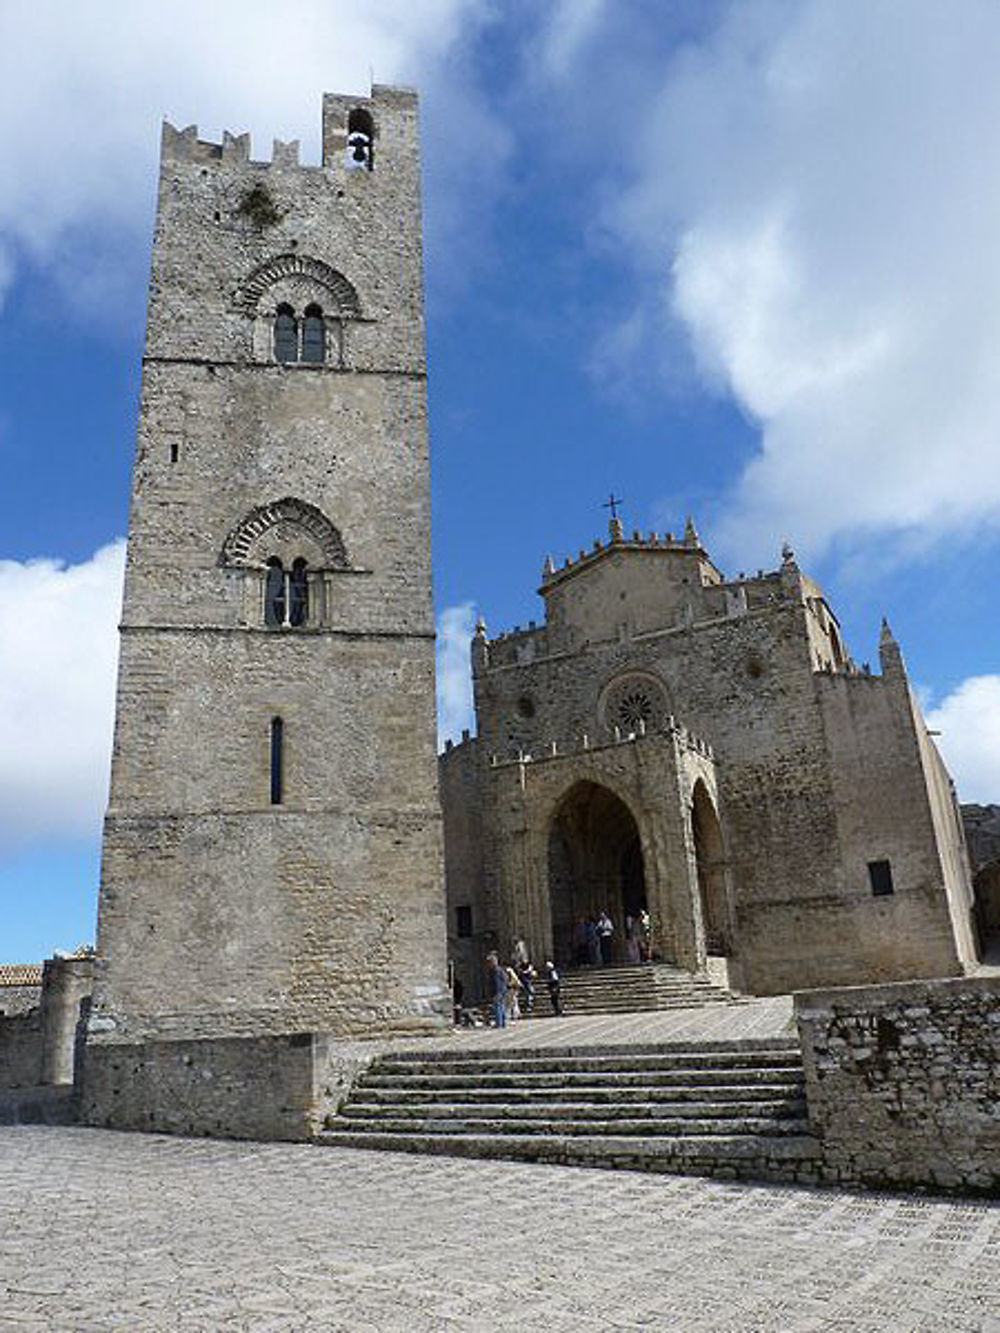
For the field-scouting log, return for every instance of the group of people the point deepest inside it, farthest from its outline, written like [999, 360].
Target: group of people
[593, 939]
[511, 986]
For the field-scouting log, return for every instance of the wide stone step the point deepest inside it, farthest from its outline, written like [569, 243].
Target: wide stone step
[766, 1082]
[595, 1094]
[356, 1108]
[614, 1050]
[644, 1126]
[739, 1062]
[610, 1079]
[789, 1157]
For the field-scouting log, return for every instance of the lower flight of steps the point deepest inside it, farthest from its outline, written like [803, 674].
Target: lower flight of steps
[630, 989]
[734, 1110]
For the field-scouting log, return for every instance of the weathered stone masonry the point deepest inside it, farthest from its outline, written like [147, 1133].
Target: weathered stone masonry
[812, 776]
[903, 1083]
[272, 854]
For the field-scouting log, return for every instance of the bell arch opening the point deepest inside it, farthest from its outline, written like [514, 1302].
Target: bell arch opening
[710, 861]
[595, 864]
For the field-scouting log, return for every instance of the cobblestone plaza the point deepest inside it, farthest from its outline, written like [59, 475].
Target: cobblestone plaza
[102, 1230]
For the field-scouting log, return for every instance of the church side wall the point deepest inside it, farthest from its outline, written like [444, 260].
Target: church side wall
[884, 814]
[949, 836]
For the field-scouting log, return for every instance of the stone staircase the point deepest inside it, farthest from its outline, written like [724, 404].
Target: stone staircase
[630, 989]
[734, 1110]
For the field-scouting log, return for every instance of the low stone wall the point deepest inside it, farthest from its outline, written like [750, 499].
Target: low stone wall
[21, 1050]
[903, 1082]
[226, 1087]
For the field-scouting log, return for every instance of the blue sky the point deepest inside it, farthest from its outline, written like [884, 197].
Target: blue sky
[733, 260]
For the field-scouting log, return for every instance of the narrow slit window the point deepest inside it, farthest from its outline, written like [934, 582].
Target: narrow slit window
[298, 600]
[313, 335]
[277, 760]
[274, 593]
[286, 335]
[463, 921]
[174, 452]
[880, 878]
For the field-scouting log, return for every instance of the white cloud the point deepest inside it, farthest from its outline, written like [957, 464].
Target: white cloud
[817, 198]
[83, 90]
[455, 627]
[58, 625]
[969, 723]
[566, 30]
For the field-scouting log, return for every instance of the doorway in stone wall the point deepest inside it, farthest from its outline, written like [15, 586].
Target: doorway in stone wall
[595, 863]
[711, 865]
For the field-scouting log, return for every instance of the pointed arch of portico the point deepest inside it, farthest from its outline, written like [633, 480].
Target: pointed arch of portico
[711, 868]
[652, 798]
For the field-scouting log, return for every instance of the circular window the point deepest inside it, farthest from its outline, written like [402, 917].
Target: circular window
[635, 702]
[634, 706]
[526, 706]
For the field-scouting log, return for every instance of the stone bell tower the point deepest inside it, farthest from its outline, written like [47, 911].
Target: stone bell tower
[272, 850]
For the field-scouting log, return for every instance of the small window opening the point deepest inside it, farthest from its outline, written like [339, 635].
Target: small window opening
[880, 876]
[360, 139]
[175, 452]
[298, 598]
[313, 335]
[274, 593]
[463, 921]
[277, 760]
[286, 337]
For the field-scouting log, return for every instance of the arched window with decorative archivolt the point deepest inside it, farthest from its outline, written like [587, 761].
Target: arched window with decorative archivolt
[290, 556]
[300, 311]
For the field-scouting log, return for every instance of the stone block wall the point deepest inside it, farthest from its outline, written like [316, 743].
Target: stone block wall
[21, 1050]
[37, 1047]
[226, 1087]
[903, 1083]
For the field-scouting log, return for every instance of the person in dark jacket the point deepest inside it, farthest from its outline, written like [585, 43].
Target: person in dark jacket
[554, 982]
[496, 989]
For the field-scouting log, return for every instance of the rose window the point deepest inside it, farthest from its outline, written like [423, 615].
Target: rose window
[634, 703]
[634, 708]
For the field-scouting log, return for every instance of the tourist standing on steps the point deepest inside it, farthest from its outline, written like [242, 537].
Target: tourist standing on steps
[605, 932]
[553, 980]
[513, 993]
[527, 976]
[496, 989]
[645, 937]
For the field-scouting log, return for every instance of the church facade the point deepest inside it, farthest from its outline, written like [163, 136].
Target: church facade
[705, 750]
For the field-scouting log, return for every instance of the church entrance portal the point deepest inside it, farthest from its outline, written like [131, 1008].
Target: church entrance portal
[595, 864]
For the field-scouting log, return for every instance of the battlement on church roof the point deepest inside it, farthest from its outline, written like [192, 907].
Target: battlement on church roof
[617, 542]
[585, 743]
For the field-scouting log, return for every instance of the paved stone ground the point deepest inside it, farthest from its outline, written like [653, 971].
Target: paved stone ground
[770, 1017]
[102, 1231]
